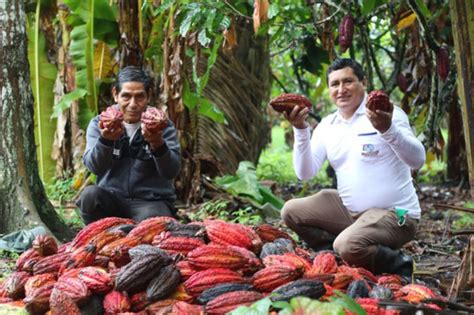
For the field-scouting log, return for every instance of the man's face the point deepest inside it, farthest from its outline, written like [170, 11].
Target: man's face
[132, 99]
[346, 90]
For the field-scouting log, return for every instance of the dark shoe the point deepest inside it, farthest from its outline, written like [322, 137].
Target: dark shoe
[387, 260]
[320, 240]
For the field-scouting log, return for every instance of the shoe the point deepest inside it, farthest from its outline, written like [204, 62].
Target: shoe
[387, 260]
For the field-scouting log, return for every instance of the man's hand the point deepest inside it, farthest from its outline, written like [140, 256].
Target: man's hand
[297, 117]
[111, 134]
[380, 120]
[155, 139]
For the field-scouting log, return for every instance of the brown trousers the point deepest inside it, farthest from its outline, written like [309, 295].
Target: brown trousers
[357, 234]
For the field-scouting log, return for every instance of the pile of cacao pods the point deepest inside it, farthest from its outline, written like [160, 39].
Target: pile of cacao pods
[162, 266]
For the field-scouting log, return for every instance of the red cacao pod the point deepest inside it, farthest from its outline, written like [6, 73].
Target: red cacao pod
[27, 260]
[111, 118]
[15, 284]
[378, 99]
[287, 101]
[45, 245]
[116, 302]
[154, 119]
[442, 63]
[346, 32]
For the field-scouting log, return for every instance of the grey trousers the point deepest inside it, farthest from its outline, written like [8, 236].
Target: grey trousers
[357, 234]
[96, 203]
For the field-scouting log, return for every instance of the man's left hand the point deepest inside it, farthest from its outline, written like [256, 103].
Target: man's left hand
[155, 139]
[380, 120]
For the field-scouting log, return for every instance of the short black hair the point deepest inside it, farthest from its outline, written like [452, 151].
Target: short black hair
[132, 74]
[341, 63]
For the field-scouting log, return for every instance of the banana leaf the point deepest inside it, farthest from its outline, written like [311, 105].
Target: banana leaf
[43, 75]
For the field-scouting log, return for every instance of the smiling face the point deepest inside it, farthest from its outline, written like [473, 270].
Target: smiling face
[346, 91]
[132, 100]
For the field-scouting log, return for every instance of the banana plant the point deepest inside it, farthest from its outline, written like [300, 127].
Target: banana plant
[43, 75]
[91, 20]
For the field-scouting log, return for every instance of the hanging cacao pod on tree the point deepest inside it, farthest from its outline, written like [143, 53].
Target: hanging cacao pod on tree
[346, 32]
[442, 63]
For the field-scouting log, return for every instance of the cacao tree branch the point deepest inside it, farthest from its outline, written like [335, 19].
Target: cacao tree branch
[374, 58]
[236, 11]
[365, 44]
[400, 47]
[311, 5]
[424, 25]
[283, 87]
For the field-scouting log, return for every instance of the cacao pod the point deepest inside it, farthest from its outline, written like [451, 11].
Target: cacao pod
[225, 233]
[111, 118]
[378, 99]
[277, 247]
[138, 301]
[358, 289]
[116, 302]
[216, 256]
[50, 264]
[143, 250]
[176, 244]
[97, 279]
[14, 285]
[164, 284]
[290, 259]
[45, 245]
[154, 119]
[231, 300]
[324, 262]
[346, 32]
[416, 293]
[37, 302]
[61, 304]
[185, 269]
[182, 295]
[147, 229]
[206, 279]
[442, 62]
[313, 289]
[270, 278]
[215, 291]
[269, 233]
[162, 307]
[74, 288]
[96, 227]
[287, 101]
[380, 292]
[27, 260]
[188, 230]
[37, 281]
[184, 308]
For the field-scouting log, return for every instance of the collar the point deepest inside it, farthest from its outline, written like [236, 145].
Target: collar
[359, 112]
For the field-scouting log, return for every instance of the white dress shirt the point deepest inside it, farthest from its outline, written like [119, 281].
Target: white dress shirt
[372, 169]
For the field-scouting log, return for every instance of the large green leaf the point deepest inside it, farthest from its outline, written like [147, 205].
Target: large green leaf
[43, 76]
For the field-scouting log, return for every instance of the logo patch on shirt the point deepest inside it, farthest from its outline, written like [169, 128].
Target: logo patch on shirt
[369, 150]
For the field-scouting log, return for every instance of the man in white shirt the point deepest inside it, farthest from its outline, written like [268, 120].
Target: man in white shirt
[375, 209]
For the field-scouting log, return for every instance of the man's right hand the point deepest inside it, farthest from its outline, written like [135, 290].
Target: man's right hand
[111, 134]
[297, 117]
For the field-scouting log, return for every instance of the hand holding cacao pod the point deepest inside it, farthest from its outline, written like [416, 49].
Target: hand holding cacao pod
[154, 119]
[287, 101]
[378, 99]
[111, 118]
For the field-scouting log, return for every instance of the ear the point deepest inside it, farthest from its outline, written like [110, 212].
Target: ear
[115, 94]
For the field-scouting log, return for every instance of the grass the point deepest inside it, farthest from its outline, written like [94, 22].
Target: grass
[276, 161]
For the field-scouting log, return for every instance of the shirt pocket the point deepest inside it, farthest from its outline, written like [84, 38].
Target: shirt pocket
[370, 146]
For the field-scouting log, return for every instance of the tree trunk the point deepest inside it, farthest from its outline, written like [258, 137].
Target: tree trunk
[23, 201]
[462, 16]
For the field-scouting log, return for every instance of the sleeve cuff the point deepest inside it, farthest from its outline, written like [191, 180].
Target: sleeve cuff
[161, 150]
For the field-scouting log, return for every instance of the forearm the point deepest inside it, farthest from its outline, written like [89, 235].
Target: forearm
[305, 161]
[405, 145]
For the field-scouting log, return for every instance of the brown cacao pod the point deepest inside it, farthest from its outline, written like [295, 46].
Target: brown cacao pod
[378, 99]
[94, 228]
[111, 118]
[269, 233]
[216, 256]
[313, 289]
[14, 285]
[27, 260]
[45, 245]
[270, 278]
[61, 304]
[164, 284]
[215, 291]
[402, 82]
[225, 233]
[442, 63]
[188, 230]
[97, 279]
[134, 276]
[143, 250]
[116, 302]
[154, 119]
[206, 279]
[147, 229]
[287, 101]
[346, 32]
[231, 300]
